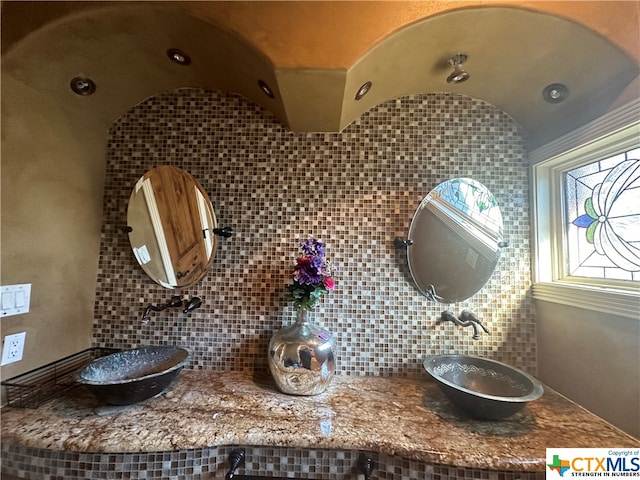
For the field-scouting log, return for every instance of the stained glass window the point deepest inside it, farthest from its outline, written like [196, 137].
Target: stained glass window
[602, 228]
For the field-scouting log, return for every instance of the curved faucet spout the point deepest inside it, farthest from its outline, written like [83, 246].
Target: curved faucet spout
[176, 301]
[467, 319]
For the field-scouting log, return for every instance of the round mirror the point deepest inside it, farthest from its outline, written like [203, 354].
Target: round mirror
[171, 222]
[454, 240]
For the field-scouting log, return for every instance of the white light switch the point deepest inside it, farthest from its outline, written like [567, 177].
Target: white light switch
[20, 298]
[8, 300]
[15, 299]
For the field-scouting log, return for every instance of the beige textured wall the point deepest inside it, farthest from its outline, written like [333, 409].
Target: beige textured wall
[315, 55]
[52, 185]
[592, 358]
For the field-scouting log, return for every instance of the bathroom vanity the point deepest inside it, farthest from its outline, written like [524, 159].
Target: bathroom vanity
[405, 425]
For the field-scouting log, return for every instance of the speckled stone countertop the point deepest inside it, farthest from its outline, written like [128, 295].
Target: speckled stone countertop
[409, 418]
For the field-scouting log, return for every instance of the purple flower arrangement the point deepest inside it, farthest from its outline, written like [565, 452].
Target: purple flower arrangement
[312, 275]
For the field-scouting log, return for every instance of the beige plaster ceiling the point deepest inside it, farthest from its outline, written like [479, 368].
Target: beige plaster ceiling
[316, 55]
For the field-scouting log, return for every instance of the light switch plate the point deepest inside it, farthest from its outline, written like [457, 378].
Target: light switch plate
[15, 299]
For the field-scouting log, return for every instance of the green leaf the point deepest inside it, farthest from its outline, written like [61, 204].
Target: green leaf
[588, 207]
[591, 230]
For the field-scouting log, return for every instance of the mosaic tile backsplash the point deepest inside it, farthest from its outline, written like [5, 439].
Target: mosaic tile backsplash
[356, 190]
[212, 463]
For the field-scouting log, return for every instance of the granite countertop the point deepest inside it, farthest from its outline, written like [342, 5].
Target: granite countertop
[409, 418]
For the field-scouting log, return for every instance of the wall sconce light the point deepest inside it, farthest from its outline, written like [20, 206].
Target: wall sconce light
[458, 75]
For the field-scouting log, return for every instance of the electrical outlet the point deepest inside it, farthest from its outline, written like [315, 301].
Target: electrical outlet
[13, 348]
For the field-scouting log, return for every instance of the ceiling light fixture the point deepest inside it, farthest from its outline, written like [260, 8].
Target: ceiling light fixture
[266, 89]
[555, 93]
[82, 86]
[363, 90]
[458, 75]
[178, 56]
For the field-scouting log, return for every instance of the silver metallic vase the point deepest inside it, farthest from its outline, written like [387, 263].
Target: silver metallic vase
[301, 357]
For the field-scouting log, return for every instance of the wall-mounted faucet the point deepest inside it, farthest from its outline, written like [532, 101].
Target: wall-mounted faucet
[176, 301]
[467, 318]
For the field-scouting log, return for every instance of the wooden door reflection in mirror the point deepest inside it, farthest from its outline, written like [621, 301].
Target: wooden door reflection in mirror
[171, 222]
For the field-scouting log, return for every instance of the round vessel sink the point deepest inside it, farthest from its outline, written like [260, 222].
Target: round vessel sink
[131, 376]
[483, 388]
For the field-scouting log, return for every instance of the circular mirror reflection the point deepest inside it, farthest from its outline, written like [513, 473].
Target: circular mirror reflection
[171, 222]
[454, 240]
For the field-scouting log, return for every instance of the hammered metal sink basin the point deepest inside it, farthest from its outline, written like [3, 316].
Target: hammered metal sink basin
[131, 376]
[483, 388]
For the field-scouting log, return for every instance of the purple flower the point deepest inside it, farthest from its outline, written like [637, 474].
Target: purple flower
[311, 275]
[313, 247]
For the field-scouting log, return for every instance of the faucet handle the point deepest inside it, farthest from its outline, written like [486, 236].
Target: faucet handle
[175, 301]
[449, 316]
[468, 316]
[192, 304]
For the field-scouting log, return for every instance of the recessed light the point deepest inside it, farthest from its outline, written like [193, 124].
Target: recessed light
[363, 90]
[82, 86]
[266, 89]
[555, 93]
[178, 56]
